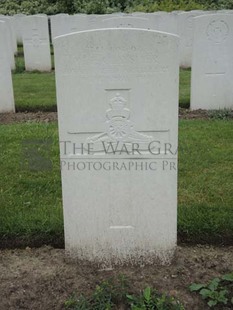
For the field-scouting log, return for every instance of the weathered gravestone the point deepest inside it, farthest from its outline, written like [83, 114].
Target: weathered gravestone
[64, 24]
[168, 23]
[185, 31]
[59, 25]
[6, 88]
[117, 94]
[10, 22]
[18, 27]
[161, 21]
[77, 22]
[8, 41]
[224, 11]
[36, 43]
[93, 20]
[212, 67]
[126, 22]
[41, 15]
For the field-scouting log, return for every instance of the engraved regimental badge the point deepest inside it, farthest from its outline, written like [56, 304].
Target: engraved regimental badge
[119, 127]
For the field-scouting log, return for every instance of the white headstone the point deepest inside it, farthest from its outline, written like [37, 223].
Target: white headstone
[177, 12]
[12, 31]
[161, 21]
[9, 41]
[36, 43]
[143, 21]
[64, 24]
[185, 31]
[224, 12]
[18, 27]
[13, 34]
[6, 87]
[118, 88]
[41, 15]
[212, 66]
[93, 20]
[136, 13]
[78, 22]
[125, 22]
[59, 25]
[168, 23]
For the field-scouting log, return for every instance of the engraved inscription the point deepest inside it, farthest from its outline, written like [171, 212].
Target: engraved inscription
[118, 66]
[149, 64]
[217, 31]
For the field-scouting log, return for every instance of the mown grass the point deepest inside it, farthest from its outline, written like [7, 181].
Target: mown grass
[31, 203]
[35, 91]
[184, 88]
[206, 181]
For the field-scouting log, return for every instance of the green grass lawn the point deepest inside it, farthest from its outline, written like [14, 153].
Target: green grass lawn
[30, 201]
[206, 181]
[35, 91]
[31, 204]
[184, 89]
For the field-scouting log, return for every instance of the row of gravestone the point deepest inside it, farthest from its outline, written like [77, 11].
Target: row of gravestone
[117, 97]
[179, 23]
[35, 30]
[210, 44]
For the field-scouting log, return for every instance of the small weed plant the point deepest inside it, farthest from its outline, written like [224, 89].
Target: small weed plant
[113, 294]
[150, 299]
[223, 114]
[218, 292]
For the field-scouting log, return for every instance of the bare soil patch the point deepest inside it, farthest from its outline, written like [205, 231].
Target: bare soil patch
[9, 118]
[195, 114]
[44, 278]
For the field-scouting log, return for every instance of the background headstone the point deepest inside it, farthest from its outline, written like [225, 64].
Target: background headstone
[119, 86]
[18, 27]
[78, 22]
[12, 31]
[125, 22]
[185, 31]
[59, 25]
[212, 66]
[36, 43]
[8, 40]
[64, 24]
[168, 23]
[6, 87]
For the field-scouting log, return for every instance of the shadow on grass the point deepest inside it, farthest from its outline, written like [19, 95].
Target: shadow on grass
[37, 108]
[205, 224]
[33, 241]
[57, 240]
[185, 104]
